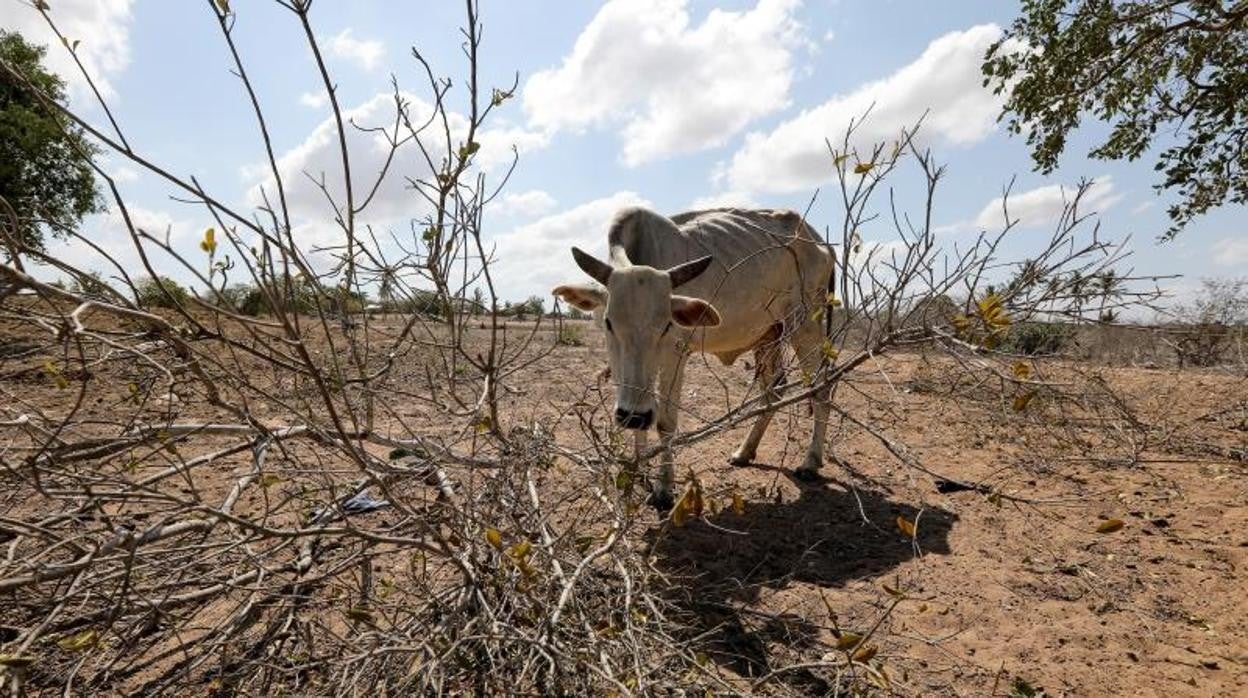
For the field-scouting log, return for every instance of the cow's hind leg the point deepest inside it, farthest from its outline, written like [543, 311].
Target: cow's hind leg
[807, 342]
[766, 371]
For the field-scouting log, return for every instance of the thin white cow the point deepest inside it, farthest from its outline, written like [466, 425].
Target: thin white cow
[752, 277]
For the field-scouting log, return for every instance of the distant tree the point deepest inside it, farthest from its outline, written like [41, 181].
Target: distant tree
[165, 293]
[535, 305]
[45, 175]
[1178, 68]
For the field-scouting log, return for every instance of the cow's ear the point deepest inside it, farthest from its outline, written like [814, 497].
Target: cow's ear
[581, 296]
[693, 312]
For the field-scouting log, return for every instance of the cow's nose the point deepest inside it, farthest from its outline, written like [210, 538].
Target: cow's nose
[633, 420]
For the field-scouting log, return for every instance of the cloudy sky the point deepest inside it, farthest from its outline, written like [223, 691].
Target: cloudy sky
[673, 104]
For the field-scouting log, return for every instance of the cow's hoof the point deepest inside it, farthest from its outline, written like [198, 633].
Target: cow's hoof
[740, 460]
[807, 474]
[661, 501]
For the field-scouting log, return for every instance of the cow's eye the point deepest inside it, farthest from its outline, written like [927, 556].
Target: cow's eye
[665, 329]
[608, 323]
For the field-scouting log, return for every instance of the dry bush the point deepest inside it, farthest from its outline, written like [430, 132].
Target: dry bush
[1213, 329]
[260, 488]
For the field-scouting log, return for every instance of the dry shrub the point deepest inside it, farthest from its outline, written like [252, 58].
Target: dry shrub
[263, 489]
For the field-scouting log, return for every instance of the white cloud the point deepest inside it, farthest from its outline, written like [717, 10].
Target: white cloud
[1231, 252]
[829, 36]
[875, 252]
[317, 159]
[101, 28]
[314, 100]
[530, 203]
[945, 81]
[671, 87]
[109, 233]
[1142, 207]
[737, 199]
[366, 53]
[501, 143]
[123, 174]
[534, 258]
[1042, 206]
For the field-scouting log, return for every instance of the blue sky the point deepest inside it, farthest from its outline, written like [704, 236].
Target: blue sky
[670, 103]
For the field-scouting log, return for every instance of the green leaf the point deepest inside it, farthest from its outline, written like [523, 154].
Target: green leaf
[80, 642]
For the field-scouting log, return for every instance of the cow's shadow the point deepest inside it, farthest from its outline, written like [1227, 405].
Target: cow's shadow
[829, 536]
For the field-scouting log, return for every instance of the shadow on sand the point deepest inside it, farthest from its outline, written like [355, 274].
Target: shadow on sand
[819, 539]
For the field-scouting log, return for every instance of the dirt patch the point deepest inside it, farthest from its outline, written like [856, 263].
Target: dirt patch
[1000, 589]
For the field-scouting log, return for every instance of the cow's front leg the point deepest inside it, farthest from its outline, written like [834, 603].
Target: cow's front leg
[671, 379]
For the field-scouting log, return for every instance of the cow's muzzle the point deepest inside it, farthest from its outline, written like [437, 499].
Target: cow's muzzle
[634, 420]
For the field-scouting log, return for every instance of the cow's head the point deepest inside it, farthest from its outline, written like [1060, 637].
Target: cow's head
[639, 311]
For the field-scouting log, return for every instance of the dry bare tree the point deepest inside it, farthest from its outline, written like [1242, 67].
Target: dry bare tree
[229, 488]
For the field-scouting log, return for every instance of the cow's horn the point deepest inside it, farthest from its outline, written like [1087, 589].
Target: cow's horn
[597, 269]
[682, 273]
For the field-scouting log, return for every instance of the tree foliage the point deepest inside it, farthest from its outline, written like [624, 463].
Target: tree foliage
[1165, 72]
[45, 171]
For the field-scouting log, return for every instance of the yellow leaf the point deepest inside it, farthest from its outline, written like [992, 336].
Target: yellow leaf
[864, 655]
[1022, 400]
[55, 373]
[1110, 526]
[895, 593]
[690, 504]
[830, 350]
[992, 312]
[863, 167]
[521, 550]
[79, 642]
[267, 480]
[848, 641]
[209, 243]
[680, 514]
[961, 324]
[833, 300]
[906, 526]
[483, 424]
[16, 661]
[494, 537]
[224, 5]
[738, 504]
[840, 159]
[1022, 370]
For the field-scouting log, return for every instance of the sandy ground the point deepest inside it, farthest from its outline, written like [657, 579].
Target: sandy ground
[1000, 593]
[996, 591]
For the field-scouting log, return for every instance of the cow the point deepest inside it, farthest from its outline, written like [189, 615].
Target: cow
[748, 279]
